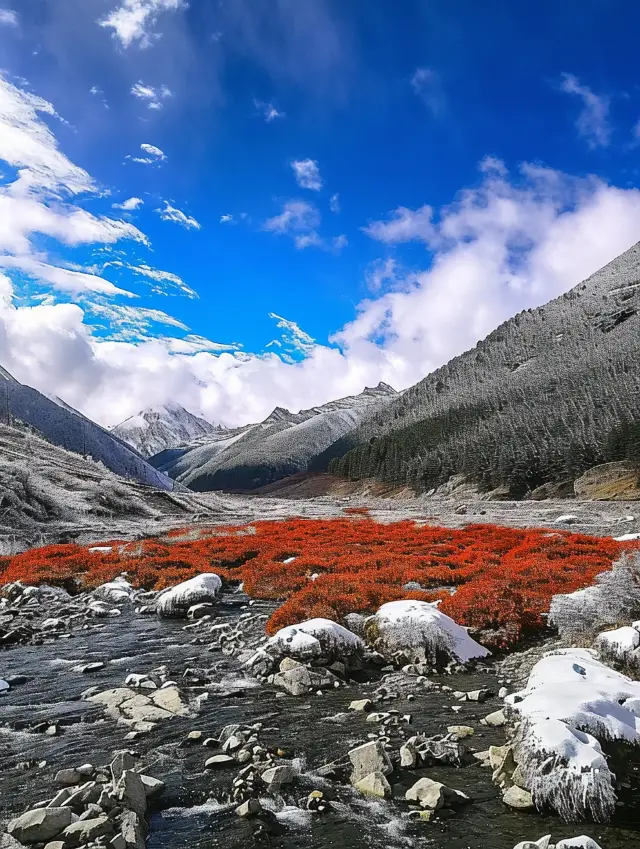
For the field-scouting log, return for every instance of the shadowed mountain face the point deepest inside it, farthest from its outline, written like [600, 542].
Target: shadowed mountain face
[549, 394]
[65, 427]
[284, 443]
[158, 428]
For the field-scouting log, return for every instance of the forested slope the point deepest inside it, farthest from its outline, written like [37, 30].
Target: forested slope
[549, 394]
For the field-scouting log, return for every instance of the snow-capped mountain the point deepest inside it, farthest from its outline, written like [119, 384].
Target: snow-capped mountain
[158, 428]
[65, 427]
[283, 444]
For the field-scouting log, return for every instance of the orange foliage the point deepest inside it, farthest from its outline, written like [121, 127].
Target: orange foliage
[488, 577]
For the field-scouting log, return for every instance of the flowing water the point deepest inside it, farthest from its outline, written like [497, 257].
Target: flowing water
[188, 815]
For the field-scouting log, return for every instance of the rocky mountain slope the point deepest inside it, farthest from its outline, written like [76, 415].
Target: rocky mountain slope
[65, 427]
[158, 428]
[49, 494]
[546, 396]
[284, 443]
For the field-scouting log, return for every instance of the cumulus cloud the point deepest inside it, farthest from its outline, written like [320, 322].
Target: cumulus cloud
[177, 216]
[405, 225]
[226, 219]
[154, 156]
[133, 20]
[307, 174]
[129, 205]
[593, 121]
[151, 95]
[268, 111]
[296, 215]
[8, 18]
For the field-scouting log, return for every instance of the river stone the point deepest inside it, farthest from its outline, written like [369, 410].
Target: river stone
[408, 755]
[84, 831]
[276, 776]
[250, 808]
[199, 611]
[300, 680]
[111, 698]
[288, 663]
[497, 755]
[516, 797]
[39, 825]
[459, 732]
[133, 830]
[152, 786]
[68, 777]
[60, 798]
[368, 758]
[495, 719]
[218, 761]
[374, 784]
[434, 795]
[131, 792]
[361, 705]
[541, 843]
[169, 698]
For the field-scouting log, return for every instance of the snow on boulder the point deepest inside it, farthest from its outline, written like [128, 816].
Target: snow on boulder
[117, 590]
[177, 600]
[582, 842]
[571, 702]
[421, 632]
[321, 641]
[620, 645]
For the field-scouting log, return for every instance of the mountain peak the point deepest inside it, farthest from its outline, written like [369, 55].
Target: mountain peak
[162, 426]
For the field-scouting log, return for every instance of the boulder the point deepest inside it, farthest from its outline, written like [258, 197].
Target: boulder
[133, 830]
[131, 792]
[434, 795]
[84, 831]
[300, 680]
[419, 632]
[277, 776]
[582, 842]
[177, 600]
[516, 797]
[39, 825]
[374, 784]
[368, 758]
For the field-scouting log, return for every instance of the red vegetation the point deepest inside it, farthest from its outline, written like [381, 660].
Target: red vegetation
[503, 577]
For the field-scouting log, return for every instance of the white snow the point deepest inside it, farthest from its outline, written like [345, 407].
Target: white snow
[314, 638]
[573, 700]
[627, 538]
[419, 625]
[567, 519]
[104, 549]
[619, 642]
[582, 842]
[177, 600]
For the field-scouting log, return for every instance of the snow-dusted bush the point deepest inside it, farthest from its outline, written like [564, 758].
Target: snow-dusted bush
[177, 600]
[320, 641]
[420, 632]
[571, 704]
[614, 599]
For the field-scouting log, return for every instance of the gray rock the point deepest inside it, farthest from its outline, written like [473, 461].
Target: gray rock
[40, 825]
[131, 792]
[218, 761]
[374, 784]
[250, 808]
[408, 756]
[84, 831]
[516, 797]
[368, 758]
[361, 705]
[434, 795]
[277, 776]
[68, 777]
[495, 719]
[288, 663]
[152, 786]
[300, 680]
[170, 699]
[133, 830]
[122, 760]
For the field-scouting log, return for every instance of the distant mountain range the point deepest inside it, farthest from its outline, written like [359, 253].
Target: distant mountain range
[66, 428]
[549, 394]
[284, 443]
[166, 426]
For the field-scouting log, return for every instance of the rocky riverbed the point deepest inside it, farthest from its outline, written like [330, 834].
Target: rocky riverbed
[243, 762]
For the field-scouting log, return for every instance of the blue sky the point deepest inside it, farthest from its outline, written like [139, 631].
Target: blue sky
[390, 181]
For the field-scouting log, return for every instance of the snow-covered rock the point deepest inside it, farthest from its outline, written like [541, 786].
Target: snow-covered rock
[320, 641]
[421, 632]
[573, 700]
[582, 842]
[177, 600]
[619, 644]
[117, 590]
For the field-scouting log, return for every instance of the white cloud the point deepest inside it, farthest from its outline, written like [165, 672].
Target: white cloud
[381, 271]
[334, 203]
[339, 242]
[268, 110]
[307, 174]
[170, 213]
[593, 122]
[152, 96]
[8, 17]
[226, 219]
[63, 279]
[167, 279]
[129, 205]
[296, 215]
[132, 21]
[405, 225]
[154, 155]
[428, 86]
